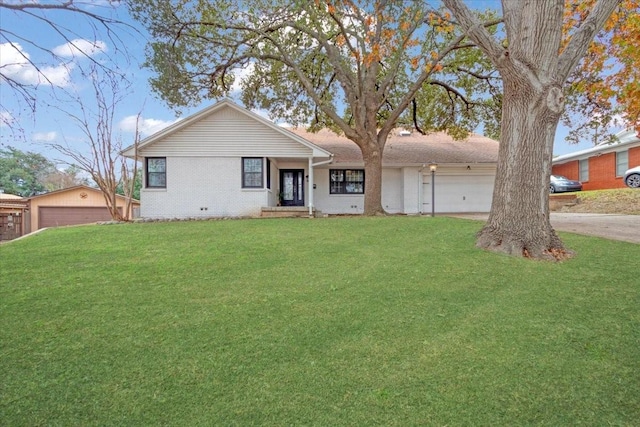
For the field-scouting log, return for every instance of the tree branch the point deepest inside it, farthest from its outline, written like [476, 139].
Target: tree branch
[580, 41]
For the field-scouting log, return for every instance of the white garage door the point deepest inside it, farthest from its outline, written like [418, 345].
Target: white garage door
[458, 193]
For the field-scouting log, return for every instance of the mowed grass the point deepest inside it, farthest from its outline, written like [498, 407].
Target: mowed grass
[325, 322]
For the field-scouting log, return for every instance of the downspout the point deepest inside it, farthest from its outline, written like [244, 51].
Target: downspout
[311, 166]
[420, 189]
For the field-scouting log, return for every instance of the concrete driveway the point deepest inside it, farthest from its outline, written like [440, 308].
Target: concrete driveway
[610, 226]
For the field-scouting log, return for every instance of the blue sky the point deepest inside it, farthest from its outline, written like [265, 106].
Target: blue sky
[48, 124]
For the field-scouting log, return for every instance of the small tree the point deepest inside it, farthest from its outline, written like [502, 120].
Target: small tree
[136, 180]
[59, 179]
[100, 156]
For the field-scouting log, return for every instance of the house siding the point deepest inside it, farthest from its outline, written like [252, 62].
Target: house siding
[392, 190]
[204, 187]
[335, 203]
[226, 133]
[399, 192]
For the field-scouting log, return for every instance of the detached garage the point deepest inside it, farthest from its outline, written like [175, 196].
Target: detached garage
[73, 206]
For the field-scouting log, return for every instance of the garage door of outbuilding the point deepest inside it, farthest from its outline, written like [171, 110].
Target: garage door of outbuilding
[458, 193]
[55, 216]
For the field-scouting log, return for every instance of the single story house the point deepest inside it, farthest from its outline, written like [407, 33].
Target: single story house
[228, 161]
[72, 206]
[603, 165]
[12, 214]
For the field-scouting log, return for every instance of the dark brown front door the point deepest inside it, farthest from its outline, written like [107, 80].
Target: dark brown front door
[292, 187]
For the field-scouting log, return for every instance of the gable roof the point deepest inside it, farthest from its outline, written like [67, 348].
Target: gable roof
[12, 201]
[209, 111]
[403, 148]
[626, 139]
[75, 187]
[7, 197]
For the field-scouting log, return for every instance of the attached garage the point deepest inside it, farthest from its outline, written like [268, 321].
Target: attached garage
[459, 192]
[55, 216]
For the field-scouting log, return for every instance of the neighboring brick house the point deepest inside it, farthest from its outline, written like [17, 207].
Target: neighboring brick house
[602, 166]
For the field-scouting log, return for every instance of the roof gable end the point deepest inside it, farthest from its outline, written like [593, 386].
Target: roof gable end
[226, 129]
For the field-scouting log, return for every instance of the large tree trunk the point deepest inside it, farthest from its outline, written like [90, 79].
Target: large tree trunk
[372, 181]
[519, 219]
[533, 74]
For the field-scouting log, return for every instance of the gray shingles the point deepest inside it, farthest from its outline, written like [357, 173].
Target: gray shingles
[411, 149]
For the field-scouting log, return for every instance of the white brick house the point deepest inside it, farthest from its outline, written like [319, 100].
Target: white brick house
[228, 161]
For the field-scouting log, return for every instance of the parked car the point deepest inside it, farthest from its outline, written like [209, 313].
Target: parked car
[632, 177]
[561, 183]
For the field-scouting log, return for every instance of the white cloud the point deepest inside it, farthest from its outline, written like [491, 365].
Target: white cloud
[240, 74]
[44, 136]
[80, 47]
[15, 64]
[145, 126]
[6, 119]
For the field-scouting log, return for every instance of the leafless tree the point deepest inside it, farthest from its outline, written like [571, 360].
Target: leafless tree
[59, 179]
[15, 39]
[99, 153]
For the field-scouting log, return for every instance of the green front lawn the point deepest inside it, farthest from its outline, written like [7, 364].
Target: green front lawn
[326, 322]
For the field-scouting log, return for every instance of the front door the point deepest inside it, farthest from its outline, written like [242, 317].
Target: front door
[292, 187]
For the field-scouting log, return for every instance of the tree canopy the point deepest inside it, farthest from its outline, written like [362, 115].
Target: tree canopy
[358, 67]
[604, 90]
[25, 173]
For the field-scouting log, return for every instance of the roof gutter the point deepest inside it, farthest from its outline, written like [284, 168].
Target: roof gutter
[310, 177]
[324, 162]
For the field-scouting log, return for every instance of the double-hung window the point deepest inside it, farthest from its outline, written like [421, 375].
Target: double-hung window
[584, 170]
[252, 172]
[622, 162]
[156, 172]
[346, 181]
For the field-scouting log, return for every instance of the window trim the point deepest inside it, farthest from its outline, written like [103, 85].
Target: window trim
[344, 177]
[244, 176]
[147, 173]
[621, 168]
[583, 175]
[268, 173]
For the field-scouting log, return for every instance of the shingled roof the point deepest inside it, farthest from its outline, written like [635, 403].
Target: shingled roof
[405, 148]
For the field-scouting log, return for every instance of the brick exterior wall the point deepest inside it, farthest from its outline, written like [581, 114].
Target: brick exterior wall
[602, 170]
[570, 169]
[634, 157]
